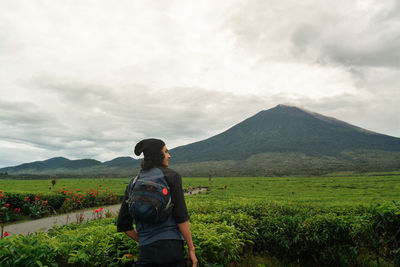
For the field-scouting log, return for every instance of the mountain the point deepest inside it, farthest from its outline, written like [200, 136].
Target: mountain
[279, 141]
[66, 167]
[121, 162]
[49, 164]
[285, 129]
[81, 163]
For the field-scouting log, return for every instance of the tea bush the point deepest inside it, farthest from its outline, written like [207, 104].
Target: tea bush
[293, 235]
[385, 234]
[303, 227]
[92, 244]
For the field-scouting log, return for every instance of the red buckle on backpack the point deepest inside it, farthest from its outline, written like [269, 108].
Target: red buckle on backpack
[165, 191]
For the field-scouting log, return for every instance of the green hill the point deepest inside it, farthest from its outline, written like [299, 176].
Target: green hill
[279, 141]
[284, 129]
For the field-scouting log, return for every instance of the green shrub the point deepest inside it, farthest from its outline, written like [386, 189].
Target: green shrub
[31, 250]
[94, 244]
[224, 232]
[385, 234]
[217, 243]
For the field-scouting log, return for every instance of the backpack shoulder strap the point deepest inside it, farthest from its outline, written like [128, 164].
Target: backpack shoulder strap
[130, 189]
[132, 185]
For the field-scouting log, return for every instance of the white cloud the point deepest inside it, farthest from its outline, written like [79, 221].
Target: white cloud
[89, 79]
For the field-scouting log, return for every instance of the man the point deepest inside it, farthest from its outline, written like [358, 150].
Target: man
[161, 244]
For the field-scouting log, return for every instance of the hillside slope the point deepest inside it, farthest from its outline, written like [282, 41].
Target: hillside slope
[281, 140]
[285, 129]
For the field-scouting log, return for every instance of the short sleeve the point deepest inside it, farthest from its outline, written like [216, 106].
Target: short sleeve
[179, 212]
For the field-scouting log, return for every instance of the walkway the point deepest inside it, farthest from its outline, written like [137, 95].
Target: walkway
[44, 224]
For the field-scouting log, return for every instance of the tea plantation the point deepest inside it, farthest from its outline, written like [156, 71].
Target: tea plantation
[337, 220]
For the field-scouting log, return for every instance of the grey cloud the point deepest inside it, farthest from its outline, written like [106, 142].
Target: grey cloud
[316, 31]
[74, 92]
[303, 37]
[124, 116]
[393, 12]
[24, 113]
[382, 53]
[378, 112]
[179, 115]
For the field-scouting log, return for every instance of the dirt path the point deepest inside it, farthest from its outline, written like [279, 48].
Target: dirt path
[44, 224]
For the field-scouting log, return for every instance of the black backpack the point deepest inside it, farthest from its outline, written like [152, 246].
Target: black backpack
[149, 201]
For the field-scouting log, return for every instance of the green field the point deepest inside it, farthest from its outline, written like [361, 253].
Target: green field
[314, 190]
[336, 220]
[44, 186]
[327, 190]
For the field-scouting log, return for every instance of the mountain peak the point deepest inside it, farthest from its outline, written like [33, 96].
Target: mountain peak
[282, 129]
[274, 138]
[285, 108]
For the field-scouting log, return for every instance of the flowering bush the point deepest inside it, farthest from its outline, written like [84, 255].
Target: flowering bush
[92, 198]
[37, 207]
[7, 213]
[98, 213]
[14, 205]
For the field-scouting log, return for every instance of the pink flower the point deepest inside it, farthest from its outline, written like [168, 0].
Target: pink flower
[7, 205]
[36, 199]
[100, 209]
[96, 211]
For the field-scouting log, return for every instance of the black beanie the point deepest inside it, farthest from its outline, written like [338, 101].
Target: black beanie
[149, 146]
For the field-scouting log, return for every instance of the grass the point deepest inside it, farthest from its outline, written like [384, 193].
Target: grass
[333, 190]
[343, 191]
[117, 185]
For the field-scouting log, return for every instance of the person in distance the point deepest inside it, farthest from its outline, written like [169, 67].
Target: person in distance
[160, 233]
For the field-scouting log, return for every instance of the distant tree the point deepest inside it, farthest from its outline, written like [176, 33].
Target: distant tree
[53, 182]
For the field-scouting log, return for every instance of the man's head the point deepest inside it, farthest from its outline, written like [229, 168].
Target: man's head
[155, 153]
[149, 147]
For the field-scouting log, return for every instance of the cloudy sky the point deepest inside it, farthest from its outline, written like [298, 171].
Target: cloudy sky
[89, 79]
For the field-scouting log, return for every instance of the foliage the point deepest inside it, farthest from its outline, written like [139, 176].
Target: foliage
[37, 207]
[92, 244]
[7, 213]
[293, 220]
[385, 234]
[222, 237]
[64, 200]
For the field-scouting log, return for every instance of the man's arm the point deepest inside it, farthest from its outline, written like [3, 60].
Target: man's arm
[187, 235]
[133, 234]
